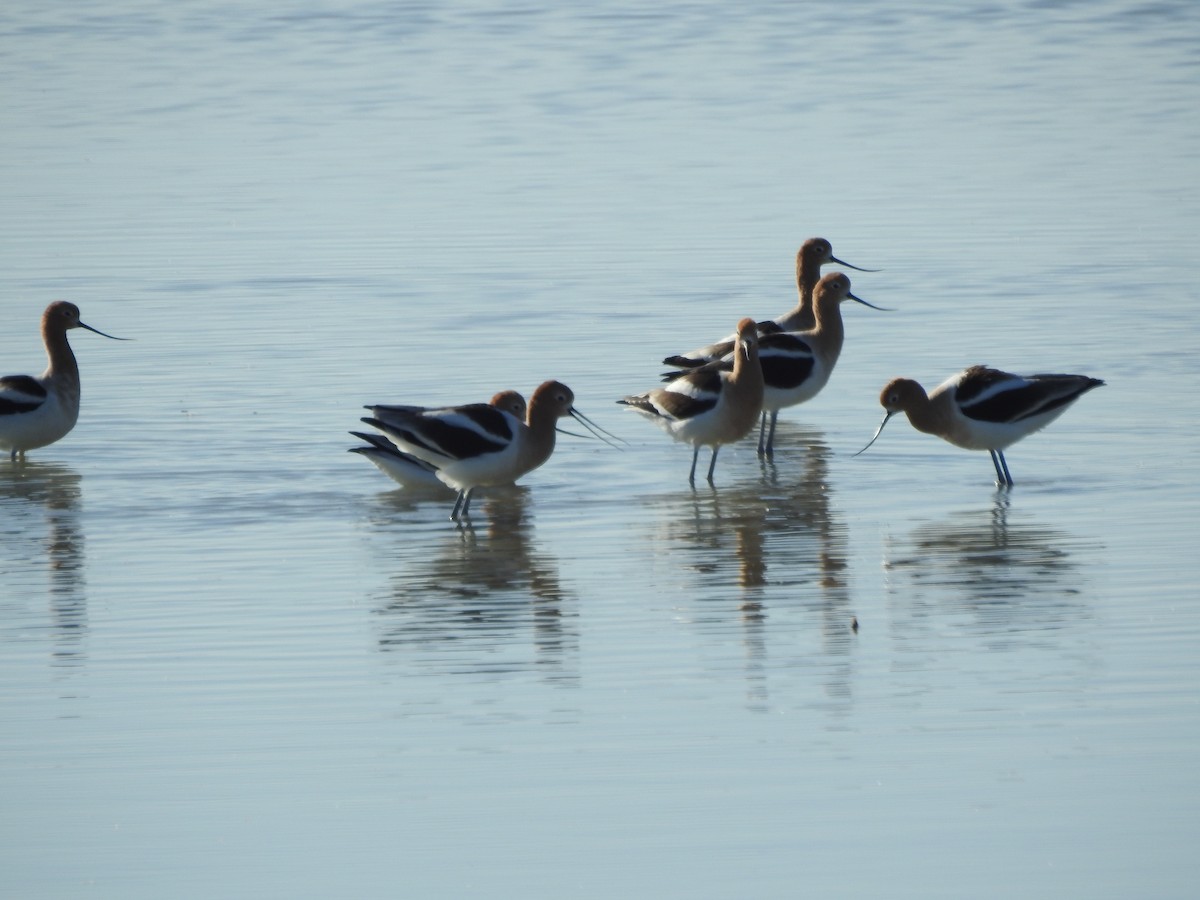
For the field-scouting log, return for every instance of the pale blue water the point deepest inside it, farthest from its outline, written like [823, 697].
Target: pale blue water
[235, 662]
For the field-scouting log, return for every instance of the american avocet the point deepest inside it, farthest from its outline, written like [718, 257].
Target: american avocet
[797, 365]
[984, 409]
[35, 412]
[813, 253]
[406, 469]
[712, 405]
[480, 445]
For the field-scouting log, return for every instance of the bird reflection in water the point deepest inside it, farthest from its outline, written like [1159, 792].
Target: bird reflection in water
[776, 540]
[39, 503]
[1012, 578]
[466, 604]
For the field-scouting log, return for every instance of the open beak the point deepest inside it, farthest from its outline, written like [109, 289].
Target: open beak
[587, 437]
[102, 334]
[595, 429]
[878, 431]
[842, 262]
[865, 303]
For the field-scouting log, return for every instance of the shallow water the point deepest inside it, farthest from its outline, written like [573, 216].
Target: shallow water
[234, 660]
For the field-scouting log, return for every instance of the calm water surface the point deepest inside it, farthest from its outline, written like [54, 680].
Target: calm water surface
[235, 662]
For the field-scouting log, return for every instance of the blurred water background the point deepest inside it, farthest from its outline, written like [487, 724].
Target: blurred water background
[234, 661]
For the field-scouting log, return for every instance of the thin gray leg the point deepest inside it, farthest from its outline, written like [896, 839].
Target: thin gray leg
[461, 505]
[713, 463]
[1004, 465]
[1003, 479]
[695, 456]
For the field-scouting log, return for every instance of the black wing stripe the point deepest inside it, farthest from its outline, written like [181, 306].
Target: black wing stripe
[21, 384]
[786, 372]
[685, 406]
